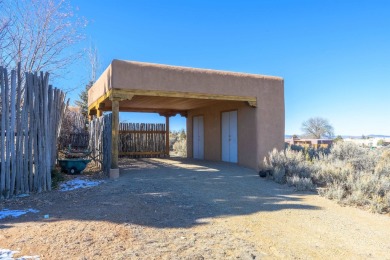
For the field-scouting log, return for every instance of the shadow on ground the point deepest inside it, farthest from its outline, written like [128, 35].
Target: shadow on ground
[164, 193]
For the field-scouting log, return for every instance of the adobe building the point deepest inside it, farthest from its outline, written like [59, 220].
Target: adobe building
[232, 117]
[310, 142]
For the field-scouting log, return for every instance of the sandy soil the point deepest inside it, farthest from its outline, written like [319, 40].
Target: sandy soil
[182, 209]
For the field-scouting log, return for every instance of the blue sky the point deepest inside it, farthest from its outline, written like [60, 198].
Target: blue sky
[333, 55]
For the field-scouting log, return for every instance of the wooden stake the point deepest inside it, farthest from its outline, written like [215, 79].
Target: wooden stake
[2, 141]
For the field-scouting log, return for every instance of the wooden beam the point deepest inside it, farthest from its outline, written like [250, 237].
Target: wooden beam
[252, 103]
[115, 134]
[120, 95]
[169, 113]
[97, 103]
[128, 94]
[146, 110]
[160, 93]
[184, 114]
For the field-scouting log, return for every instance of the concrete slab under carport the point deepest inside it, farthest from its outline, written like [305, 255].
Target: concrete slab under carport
[170, 90]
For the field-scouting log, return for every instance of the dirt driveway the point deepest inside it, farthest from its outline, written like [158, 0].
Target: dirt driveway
[183, 209]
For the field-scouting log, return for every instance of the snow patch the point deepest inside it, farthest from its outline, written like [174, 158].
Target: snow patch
[15, 213]
[78, 184]
[7, 254]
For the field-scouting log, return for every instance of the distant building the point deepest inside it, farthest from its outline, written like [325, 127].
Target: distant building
[307, 142]
[369, 142]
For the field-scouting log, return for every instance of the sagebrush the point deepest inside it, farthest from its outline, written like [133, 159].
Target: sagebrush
[350, 174]
[178, 142]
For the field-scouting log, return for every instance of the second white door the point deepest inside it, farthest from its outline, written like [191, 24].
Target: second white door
[229, 137]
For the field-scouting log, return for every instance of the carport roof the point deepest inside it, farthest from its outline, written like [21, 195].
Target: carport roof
[159, 88]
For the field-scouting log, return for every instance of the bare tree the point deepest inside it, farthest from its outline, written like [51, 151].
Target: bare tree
[94, 62]
[94, 66]
[317, 127]
[4, 23]
[41, 34]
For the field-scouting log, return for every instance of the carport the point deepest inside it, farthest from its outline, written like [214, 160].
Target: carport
[233, 117]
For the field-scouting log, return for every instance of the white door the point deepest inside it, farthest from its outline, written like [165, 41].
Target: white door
[198, 137]
[229, 137]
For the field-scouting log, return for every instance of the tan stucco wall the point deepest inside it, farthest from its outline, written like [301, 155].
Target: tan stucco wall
[270, 117]
[137, 75]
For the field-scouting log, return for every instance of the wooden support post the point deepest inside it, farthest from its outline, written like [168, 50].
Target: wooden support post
[167, 135]
[167, 116]
[115, 134]
[115, 98]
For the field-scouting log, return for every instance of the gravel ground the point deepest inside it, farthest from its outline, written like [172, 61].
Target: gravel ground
[184, 209]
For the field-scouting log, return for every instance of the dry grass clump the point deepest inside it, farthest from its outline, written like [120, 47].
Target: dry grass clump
[349, 174]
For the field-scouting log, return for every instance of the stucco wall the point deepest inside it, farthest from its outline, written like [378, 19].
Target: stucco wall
[136, 75]
[101, 86]
[270, 117]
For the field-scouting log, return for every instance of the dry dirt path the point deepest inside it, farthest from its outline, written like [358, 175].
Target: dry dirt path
[182, 209]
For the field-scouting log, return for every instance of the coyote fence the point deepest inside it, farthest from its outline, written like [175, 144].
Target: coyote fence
[100, 141]
[135, 140]
[142, 140]
[30, 124]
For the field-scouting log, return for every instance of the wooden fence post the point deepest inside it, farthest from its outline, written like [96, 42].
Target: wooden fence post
[3, 86]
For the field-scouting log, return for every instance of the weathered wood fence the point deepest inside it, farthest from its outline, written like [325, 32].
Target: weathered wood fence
[100, 141]
[30, 123]
[142, 140]
[135, 140]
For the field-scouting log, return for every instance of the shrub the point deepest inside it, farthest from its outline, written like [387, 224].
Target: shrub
[383, 165]
[178, 142]
[301, 183]
[310, 153]
[346, 151]
[180, 147]
[349, 174]
[287, 164]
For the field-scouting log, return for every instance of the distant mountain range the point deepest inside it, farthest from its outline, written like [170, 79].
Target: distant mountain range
[351, 136]
[379, 136]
